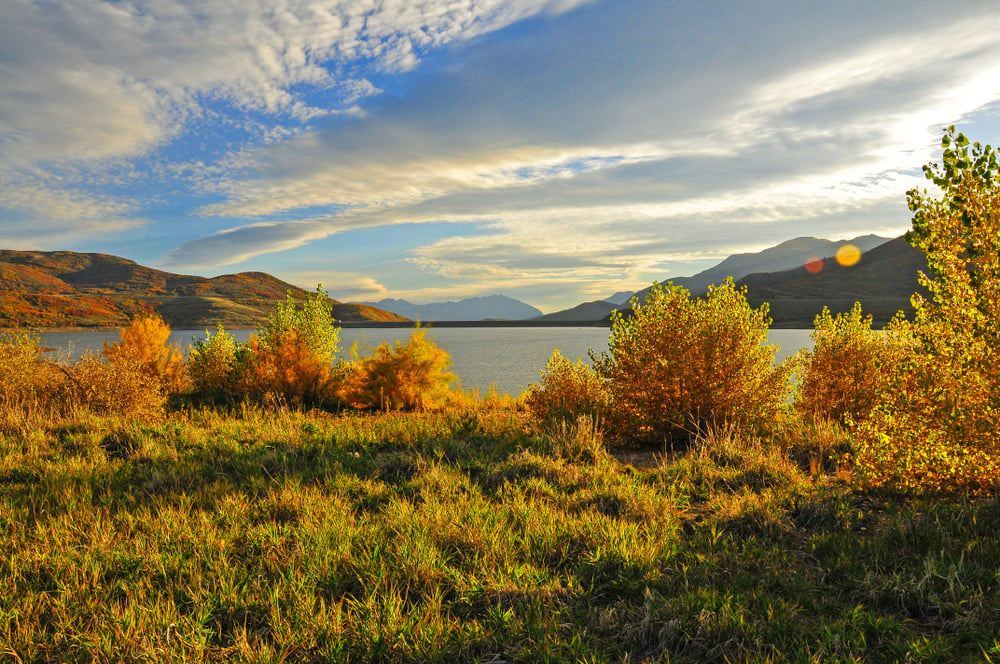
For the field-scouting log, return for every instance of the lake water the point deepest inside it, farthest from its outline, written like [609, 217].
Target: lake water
[506, 358]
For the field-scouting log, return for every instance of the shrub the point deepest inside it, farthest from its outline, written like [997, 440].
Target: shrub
[212, 363]
[19, 352]
[143, 347]
[123, 386]
[567, 391]
[410, 376]
[935, 428]
[291, 359]
[849, 365]
[679, 363]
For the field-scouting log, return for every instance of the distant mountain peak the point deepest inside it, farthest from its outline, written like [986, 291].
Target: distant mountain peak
[484, 307]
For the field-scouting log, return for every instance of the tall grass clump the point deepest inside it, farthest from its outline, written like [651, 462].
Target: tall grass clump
[410, 376]
[568, 390]
[678, 363]
[849, 366]
[935, 427]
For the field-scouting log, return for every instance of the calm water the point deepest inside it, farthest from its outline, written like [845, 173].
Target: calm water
[507, 358]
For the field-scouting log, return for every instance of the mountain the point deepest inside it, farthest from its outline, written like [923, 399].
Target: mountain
[785, 256]
[586, 312]
[68, 289]
[619, 298]
[493, 307]
[882, 281]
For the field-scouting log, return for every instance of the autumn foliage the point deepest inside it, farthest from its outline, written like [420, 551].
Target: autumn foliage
[567, 391]
[410, 376]
[290, 361]
[935, 427]
[680, 363]
[849, 366]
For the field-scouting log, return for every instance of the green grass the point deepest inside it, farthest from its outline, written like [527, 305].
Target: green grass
[282, 536]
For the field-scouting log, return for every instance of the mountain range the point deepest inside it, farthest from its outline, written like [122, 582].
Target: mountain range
[69, 289]
[493, 307]
[777, 275]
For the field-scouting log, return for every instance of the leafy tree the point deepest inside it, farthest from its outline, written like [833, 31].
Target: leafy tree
[936, 427]
[679, 363]
[312, 324]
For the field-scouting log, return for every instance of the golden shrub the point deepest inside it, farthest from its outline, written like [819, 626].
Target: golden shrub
[410, 376]
[123, 386]
[19, 352]
[849, 366]
[143, 347]
[679, 363]
[567, 391]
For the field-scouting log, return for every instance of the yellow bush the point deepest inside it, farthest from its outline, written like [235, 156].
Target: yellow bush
[567, 391]
[849, 365]
[410, 376]
[679, 363]
[123, 386]
[19, 353]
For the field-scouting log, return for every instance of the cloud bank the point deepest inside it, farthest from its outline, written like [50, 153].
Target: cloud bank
[573, 148]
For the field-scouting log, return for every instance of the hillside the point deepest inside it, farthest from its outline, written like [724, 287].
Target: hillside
[788, 255]
[588, 311]
[882, 280]
[69, 289]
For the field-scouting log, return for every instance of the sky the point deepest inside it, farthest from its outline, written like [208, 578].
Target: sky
[555, 151]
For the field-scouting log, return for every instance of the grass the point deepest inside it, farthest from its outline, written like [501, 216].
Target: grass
[262, 536]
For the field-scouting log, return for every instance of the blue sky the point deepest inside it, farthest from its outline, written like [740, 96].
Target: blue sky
[555, 151]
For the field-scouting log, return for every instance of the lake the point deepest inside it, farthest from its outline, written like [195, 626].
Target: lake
[506, 358]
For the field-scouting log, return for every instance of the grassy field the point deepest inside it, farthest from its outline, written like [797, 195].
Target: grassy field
[281, 536]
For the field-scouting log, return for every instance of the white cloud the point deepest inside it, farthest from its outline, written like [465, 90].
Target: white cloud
[93, 81]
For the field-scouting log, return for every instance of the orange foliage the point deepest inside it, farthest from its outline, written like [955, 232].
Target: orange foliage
[286, 369]
[410, 376]
[143, 345]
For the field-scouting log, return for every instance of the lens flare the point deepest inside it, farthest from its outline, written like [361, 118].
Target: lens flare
[814, 265]
[848, 255]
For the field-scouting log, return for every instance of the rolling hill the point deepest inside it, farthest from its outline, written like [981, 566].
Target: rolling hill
[68, 289]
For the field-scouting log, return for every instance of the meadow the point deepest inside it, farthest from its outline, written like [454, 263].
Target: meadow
[280, 535]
